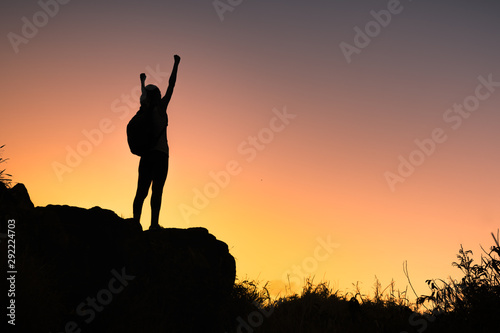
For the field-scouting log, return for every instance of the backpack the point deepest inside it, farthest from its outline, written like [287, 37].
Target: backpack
[140, 132]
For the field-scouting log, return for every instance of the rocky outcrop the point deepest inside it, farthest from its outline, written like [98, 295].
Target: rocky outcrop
[90, 270]
[14, 199]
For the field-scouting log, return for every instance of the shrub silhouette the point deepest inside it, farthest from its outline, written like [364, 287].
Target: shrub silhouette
[4, 177]
[475, 298]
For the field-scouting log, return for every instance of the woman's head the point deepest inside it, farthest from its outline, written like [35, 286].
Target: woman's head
[151, 96]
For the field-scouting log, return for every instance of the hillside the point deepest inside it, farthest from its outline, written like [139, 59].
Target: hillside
[88, 270]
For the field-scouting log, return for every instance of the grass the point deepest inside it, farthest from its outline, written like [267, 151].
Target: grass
[320, 309]
[471, 304]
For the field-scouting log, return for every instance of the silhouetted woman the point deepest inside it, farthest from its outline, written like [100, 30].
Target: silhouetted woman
[153, 166]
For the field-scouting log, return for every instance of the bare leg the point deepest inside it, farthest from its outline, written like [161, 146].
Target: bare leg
[155, 209]
[140, 196]
[143, 184]
[161, 171]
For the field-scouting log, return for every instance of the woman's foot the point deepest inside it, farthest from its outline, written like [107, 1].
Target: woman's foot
[154, 227]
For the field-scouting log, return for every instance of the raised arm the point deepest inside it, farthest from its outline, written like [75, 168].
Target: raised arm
[143, 88]
[143, 79]
[171, 81]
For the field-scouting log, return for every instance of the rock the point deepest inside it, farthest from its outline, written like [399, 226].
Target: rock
[100, 273]
[14, 200]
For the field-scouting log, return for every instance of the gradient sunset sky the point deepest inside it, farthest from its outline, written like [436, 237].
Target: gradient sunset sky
[387, 145]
